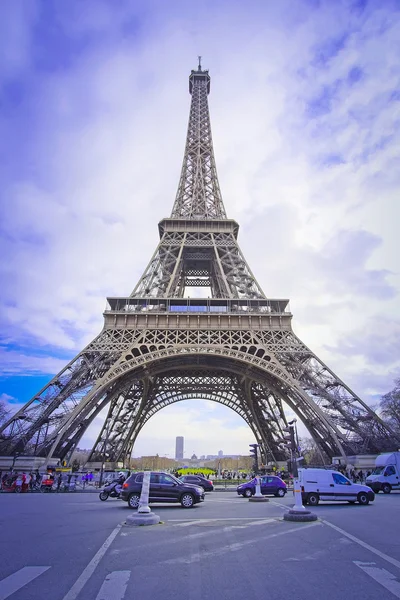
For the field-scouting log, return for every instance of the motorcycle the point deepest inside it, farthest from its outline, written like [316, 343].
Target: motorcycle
[113, 490]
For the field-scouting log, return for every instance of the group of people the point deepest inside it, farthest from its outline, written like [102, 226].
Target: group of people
[30, 481]
[354, 475]
[23, 481]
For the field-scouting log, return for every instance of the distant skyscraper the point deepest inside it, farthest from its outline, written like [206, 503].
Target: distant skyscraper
[179, 448]
[220, 453]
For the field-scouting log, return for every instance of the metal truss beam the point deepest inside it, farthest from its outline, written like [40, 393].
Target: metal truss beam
[236, 348]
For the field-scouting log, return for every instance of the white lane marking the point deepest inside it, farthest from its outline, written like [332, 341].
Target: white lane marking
[190, 521]
[234, 547]
[286, 506]
[252, 522]
[17, 580]
[386, 557]
[114, 586]
[228, 528]
[382, 576]
[90, 568]
[187, 523]
[260, 522]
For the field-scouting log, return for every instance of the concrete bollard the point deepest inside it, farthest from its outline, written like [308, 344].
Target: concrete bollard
[258, 497]
[144, 516]
[299, 512]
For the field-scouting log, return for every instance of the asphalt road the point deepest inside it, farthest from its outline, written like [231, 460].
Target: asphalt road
[74, 547]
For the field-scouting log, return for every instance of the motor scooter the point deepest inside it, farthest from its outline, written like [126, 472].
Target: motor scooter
[112, 490]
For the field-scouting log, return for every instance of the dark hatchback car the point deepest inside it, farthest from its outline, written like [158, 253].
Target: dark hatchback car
[163, 488]
[206, 484]
[270, 485]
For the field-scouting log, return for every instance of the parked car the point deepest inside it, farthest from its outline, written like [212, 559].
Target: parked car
[163, 488]
[206, 484]
[325, 484]
[270, 485]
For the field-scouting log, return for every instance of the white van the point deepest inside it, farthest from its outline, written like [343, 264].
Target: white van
[386, 475]
[324, 484]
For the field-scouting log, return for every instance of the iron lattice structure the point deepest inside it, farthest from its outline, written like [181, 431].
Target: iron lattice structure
[236, 347]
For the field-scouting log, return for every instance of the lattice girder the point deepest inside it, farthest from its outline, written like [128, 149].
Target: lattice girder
[43, 415]
[158, 347]
[249, 365]
[218, 256]
[221, 387]
[295, 375]
[198, 193]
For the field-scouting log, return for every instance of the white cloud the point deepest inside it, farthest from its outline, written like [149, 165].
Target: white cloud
[14, 362]
[305, 123]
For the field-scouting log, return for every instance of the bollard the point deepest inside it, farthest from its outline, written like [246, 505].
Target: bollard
[299, 512]
[144, 516]
[258, 497]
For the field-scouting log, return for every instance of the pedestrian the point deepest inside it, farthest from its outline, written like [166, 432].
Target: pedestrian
[360, 475]
[59, 480]
[26, 482]
[18, 482]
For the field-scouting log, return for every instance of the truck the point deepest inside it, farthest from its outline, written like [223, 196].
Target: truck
[328, 485]
[386, 475]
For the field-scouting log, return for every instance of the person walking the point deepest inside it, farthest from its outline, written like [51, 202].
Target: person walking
[26, 481]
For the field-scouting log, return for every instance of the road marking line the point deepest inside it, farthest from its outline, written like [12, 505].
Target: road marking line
[286, 506]
[187, 523]
[17, 580]
[234, 547]
[386, 557]
[228, 528]
[252, 522]
[114, 586]
[190, 521]
[90, 568]
[261, 522]
[382, 576]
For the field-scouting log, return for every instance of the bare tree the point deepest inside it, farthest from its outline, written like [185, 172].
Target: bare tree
[311, 453]
[4, 413]
[390, 406]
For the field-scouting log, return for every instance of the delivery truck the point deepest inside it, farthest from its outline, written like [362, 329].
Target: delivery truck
[386, 475]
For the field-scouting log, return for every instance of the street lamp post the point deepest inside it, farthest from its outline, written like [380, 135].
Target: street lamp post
[298, 512]
[14, 459]
[293, 459]
[104, 455]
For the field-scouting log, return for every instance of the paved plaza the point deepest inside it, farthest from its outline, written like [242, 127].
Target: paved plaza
[74, 547]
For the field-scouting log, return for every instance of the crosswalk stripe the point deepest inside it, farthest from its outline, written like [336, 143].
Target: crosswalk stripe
[382, 576]
[17, 580]
[114, 586]
[91, 567]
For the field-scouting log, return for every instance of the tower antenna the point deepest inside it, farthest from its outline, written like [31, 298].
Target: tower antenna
[199, 67]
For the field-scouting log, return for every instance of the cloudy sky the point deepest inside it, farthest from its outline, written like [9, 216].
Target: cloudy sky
[305, 110]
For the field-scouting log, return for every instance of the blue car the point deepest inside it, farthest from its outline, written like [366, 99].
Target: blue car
[270, 485]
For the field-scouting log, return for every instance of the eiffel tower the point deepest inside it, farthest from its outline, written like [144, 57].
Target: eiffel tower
[235, 347]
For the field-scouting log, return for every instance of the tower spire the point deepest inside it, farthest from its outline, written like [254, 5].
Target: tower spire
[198, 195]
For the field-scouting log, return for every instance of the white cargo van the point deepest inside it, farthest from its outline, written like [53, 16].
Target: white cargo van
[324, 484]
[386, 475]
